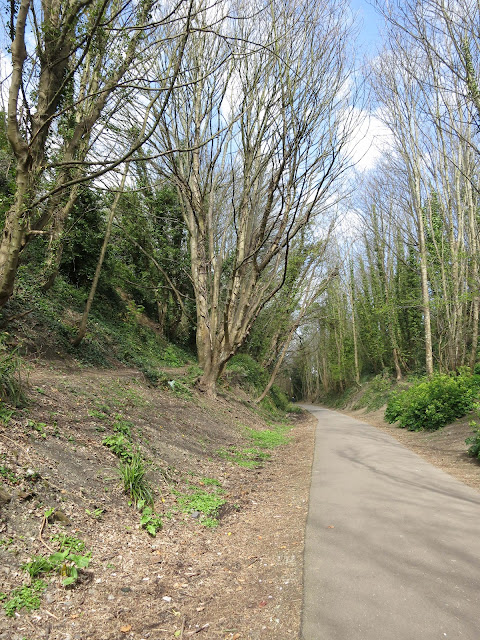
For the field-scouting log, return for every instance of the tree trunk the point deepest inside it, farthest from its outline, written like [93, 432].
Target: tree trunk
[278, 364]
[13, 239]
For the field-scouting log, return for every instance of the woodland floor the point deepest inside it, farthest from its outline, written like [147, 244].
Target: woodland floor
[240, 580]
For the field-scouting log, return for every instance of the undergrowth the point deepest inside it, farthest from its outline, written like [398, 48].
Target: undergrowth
[432, 403]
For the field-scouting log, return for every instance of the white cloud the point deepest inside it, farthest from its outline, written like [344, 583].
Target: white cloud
[369, 140]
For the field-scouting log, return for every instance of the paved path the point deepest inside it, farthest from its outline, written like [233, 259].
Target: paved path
[393, 544]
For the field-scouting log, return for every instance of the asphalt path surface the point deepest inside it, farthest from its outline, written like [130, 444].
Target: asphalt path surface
[392, 546]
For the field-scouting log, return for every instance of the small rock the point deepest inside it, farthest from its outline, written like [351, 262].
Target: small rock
[110, 597]
[195, 514]
[5, 497]
[59, 516]
[24, 495]
[126, 589]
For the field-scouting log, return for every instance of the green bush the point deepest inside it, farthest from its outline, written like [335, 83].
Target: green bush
[474, 441]
[431, 404]
[247, 370]
[279, 398]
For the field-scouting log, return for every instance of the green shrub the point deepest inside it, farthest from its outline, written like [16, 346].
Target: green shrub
[279, 398]
[248, 371]
[433, 403]
[474, 441]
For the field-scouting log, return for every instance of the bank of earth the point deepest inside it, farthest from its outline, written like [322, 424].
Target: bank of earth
[232, 573]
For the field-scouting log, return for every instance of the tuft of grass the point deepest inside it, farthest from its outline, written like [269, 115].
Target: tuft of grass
[135, 484]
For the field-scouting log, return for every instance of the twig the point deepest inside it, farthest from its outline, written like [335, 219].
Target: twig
[192, 633]
[183, 627]
[51, 614]
[44, 521]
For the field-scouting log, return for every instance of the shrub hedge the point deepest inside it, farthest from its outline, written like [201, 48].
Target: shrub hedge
[433, 403]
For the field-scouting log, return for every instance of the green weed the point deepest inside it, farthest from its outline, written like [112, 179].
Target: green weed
[68, 542]
[149, 520]
[24, 597]
[100, 415]
[64, 562]
[120, 446]
[123, 426]
[210, 482]
[6, 542]
[39, 427]
[9, 475]
[96, 514]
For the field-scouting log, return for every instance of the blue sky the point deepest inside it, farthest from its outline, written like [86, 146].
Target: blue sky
[370, 25]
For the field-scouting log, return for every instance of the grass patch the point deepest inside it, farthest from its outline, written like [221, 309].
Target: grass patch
[24, 597]
[207, 503]
[248, 457]
[269, 438]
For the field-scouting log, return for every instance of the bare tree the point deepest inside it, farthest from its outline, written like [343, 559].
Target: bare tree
[263, 141]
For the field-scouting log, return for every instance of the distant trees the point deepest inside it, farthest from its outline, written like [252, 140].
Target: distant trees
[408, 301]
